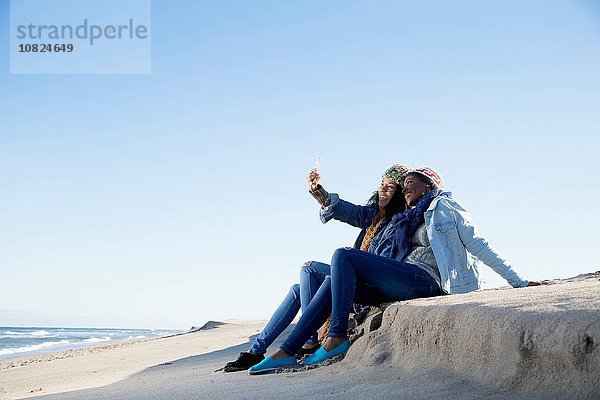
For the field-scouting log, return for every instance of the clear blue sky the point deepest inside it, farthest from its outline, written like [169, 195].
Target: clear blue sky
[167, 199]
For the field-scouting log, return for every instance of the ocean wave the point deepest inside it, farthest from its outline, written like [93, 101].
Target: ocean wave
[16, 340]
[97, 340]
[36, 335]
[39, 333]
[35, 347]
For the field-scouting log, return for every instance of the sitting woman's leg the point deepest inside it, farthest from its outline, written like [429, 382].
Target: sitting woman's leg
[312, 318]
[281, 319]
[315, 315]
[312, 276]
[352, 269]
[356, 276]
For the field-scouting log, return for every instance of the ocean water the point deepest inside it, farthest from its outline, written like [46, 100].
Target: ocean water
[15, 342]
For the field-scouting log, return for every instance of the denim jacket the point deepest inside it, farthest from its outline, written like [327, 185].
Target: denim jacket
[458, 246]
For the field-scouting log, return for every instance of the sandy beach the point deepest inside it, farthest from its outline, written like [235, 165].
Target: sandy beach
[530, 343]
[102, 365]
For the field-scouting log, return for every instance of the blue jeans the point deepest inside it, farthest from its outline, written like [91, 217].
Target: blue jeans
[359, 277]
[312, 275]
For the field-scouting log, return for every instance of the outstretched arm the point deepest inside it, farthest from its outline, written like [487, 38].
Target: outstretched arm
[344, 211]
[476, 244]
[332, 207]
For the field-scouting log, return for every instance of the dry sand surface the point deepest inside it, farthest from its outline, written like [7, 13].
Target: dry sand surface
[530, 343]
[102, 365]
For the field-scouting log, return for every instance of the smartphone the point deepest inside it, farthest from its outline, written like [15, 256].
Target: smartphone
[316, 167]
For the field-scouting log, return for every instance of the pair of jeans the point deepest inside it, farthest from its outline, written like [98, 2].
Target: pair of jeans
[359, 277]
[312, 275]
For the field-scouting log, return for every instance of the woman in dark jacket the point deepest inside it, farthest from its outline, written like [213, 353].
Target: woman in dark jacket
[371, 218]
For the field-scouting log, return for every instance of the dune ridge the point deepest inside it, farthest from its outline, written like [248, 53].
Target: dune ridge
[524, 339]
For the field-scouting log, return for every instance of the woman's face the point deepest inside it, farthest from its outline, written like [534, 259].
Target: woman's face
[386, 191]
[414, 190]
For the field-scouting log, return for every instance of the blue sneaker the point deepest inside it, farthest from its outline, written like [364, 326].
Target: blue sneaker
[322, 354]
[269, 365]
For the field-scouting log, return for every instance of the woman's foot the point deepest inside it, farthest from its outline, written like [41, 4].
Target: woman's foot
[323, 354]
[310, 346]
[306, 350]
[279, 354]
[332, 342]
[280, 359]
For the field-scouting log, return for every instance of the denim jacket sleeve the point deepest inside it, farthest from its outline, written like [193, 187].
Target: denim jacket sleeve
[344, 211]
[480, 248]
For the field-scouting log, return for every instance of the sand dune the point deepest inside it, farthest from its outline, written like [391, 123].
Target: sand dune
[527, 339]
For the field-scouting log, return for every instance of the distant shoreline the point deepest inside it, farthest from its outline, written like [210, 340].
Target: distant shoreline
[31, 341]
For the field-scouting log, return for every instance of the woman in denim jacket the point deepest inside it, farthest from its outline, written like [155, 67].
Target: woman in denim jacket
[382, 206]
[434, 248]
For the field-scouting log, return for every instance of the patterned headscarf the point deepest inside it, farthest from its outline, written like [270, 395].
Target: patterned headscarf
[397, 173]
[429, 176]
